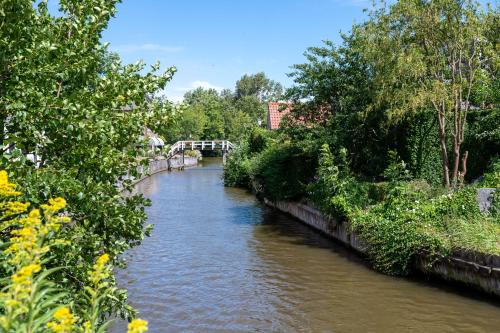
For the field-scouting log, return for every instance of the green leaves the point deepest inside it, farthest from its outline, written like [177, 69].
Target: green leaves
[65, 99]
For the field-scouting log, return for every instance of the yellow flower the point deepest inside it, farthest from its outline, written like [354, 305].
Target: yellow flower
[25, 273]
[54, 205]
[6, 188]
[23, 245]
[102, 260]
[12, 303]
[28, 242]
[87, 327]
[64, 321]
[20, 290]
[137, 326]
[100, 271]
[14, 207]
[34, 216]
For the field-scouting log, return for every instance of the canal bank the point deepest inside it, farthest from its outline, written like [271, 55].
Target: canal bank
[218, 260]
[159, 165]
[478, 271]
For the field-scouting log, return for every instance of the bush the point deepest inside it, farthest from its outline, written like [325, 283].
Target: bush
[482, 141]
[282, 171]
[335, 190]
[31, 301]
[258, 140]
[401, 219]
[416, 219]
[237, 167]
[239, 162]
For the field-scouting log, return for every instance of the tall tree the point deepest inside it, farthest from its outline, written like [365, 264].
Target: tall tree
[258, 85]
[333, 92]
[429, 54]
[207, 102]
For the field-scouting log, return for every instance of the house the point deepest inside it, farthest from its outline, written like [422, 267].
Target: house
[154, 139]
[275, 113]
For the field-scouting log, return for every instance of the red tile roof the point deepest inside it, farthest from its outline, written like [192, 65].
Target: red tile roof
[275, 112]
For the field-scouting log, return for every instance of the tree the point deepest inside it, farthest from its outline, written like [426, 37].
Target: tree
[238, 125]
[66, 101]
[332, 94]
[437, 51]
[258, 85]
[209, 103]
[251, 106]
[190, 124]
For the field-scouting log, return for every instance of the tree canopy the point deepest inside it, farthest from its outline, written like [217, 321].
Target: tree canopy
[71, 120]
[209, 114]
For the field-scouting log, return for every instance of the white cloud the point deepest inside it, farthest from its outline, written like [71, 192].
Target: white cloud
[205, 85]
[131, 48]
[166, 94]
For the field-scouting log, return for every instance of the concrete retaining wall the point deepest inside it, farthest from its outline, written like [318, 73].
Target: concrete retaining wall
[175, 163]
[475, 270]
[156, 166]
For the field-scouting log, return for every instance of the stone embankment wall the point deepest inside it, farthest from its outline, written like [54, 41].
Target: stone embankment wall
[175, 163]
[475, 270]
[160, 165]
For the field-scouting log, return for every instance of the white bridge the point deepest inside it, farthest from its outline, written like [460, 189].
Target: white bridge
[180, 146]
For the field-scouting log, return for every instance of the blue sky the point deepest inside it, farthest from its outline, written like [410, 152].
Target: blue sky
[214, 42]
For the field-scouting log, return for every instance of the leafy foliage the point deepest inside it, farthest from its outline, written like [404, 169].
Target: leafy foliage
[71, 122]
[259, 86]
[237, 171]
[207, 114]
[438, 51]
[32, 299]
[336, 191]
[401, 105]
[282, 171]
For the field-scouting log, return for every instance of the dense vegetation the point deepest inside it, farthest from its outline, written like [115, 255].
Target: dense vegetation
[391, 130]
[71, 120]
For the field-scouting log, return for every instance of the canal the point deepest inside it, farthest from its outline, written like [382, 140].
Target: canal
[220, 261]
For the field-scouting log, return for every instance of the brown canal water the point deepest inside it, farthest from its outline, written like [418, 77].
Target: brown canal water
[220, 261]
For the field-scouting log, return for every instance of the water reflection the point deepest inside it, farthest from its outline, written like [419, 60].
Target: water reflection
[219, 261]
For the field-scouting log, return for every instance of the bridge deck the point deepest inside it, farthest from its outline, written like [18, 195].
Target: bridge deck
[180, 146]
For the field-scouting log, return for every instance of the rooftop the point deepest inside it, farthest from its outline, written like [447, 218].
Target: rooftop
[275, 113]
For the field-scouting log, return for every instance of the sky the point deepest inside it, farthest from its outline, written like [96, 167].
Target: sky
[214, 42]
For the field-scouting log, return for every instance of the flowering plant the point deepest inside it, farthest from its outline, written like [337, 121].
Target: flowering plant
[30, 301]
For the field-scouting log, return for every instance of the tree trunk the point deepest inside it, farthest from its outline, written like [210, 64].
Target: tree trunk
[463, 172]
[442, 145]
[444, 160]
[456, 163]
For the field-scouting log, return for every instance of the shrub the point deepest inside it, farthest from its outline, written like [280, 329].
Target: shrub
[237, 167]
[31, 301]
[392, 231]
[239, 162]
[335, 190]
[282, 171]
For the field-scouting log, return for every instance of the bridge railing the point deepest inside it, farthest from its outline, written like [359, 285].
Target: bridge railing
[179, 146]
